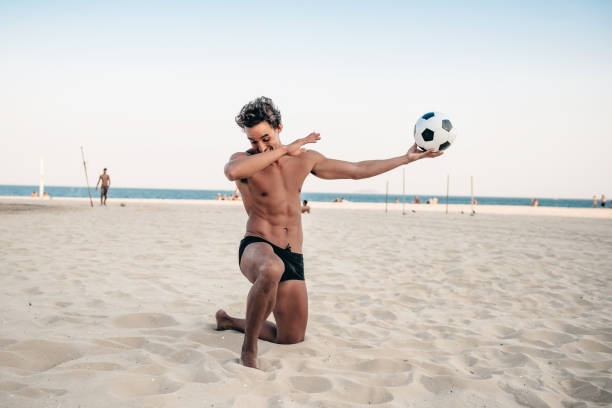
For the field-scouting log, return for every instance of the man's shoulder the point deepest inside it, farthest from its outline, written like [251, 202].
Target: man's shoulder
[313, 155]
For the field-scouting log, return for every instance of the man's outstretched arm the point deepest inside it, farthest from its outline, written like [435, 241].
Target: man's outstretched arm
[241, 165]
[99, 178]
[338, 169]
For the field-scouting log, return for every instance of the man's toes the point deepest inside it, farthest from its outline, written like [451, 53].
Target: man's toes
[223, 320]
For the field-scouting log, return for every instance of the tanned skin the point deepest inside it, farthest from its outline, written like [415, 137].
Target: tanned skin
[270, 176]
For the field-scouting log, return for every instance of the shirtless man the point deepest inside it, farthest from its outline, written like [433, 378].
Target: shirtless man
[105, 179]
[270, 176]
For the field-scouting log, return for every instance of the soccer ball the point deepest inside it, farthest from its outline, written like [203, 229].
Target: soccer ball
[434, 130]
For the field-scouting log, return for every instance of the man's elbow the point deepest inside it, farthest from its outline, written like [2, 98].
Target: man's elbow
[230, 174]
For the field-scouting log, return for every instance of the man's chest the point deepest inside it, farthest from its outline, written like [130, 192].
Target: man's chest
[285, 176]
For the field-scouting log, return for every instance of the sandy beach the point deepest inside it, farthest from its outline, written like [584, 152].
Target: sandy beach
[114, 307]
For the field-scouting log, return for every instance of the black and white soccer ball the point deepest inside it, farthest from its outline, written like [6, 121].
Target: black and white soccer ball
[434, 130]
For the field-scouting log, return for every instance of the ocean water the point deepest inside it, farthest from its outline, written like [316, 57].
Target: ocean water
[118, 192]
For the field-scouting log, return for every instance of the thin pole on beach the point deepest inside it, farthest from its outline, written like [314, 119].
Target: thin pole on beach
[41, 182]
[86, 178]
[403, 191]
[447, 183]
[472, 192]
[387, 198]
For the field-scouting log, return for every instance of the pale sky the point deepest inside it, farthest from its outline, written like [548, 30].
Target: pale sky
[151, 89]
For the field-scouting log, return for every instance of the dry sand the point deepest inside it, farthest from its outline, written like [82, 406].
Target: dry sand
[113, 307]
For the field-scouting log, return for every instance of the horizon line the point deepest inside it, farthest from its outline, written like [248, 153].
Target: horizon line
[313, 192]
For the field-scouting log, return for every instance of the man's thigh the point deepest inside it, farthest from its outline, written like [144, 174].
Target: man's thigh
[291, 311]
[259, 257]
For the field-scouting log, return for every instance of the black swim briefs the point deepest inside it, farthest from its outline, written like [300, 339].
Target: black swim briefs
[294, 262]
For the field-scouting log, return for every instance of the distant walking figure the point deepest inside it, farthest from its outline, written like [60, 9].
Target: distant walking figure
[603, 201]
[105, 179]
[594, 201]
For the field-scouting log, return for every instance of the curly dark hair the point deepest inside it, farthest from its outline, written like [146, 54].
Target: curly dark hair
[257, 111]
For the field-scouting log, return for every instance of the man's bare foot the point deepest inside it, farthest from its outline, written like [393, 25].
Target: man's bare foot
[224, 321]
[249, 359]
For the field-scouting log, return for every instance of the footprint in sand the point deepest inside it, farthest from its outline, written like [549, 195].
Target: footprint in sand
[360, 393]
[203, 375]
[11, 386]
[33, 291]
[37, 355]
[144, 321]
[311, 384]
[384, 315]
[133, 386]
[524, 396]
[548, 338]
[186, 356]
[40, 392]
[586, 391]
[593, 346]
[392, 380]
[439, 384]
[382, 365]
[96, 366]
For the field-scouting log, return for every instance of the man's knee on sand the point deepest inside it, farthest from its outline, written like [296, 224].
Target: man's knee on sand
[293, 338]
[269, 274]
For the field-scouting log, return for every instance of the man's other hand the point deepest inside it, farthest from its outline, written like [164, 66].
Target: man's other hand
[415, 154]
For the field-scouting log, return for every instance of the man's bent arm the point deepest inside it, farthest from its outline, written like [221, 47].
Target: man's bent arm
[241, 165]
[99, 178]
[338, 169]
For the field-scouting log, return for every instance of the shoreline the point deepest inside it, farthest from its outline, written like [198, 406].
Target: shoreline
[409, 208]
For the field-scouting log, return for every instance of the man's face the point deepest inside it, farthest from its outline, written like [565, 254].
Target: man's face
[264, 137]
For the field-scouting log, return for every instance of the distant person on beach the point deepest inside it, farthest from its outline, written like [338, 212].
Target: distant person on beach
[594, 201]
[417, 200]
[218, 196]
[603, 201]
[270, 176]
[105, 179]
[534, 202]
[235, 196]
[305, 207]
[474, 201]
[33, 195]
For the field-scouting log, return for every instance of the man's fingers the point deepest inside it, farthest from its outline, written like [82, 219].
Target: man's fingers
[313, 137]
